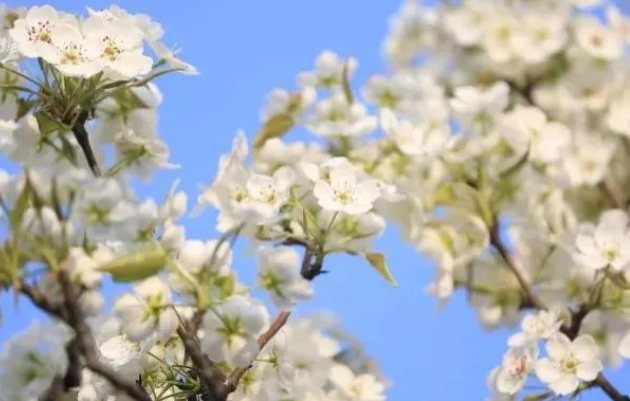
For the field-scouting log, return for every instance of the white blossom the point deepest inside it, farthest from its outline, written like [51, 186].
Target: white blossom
[568, 363]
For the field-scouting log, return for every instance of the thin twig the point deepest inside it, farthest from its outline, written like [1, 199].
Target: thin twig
[529, 295]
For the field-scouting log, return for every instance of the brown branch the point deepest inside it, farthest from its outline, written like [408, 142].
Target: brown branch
[532, 299]
[213, 381]
[54, 392]
[238, 373]
[529, 296]
[611, 195]
[84, 343]
[609, 389]
[309, 271]
[87, 344]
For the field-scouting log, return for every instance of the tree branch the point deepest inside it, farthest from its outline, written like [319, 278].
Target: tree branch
[214, 386]
[531, 298]
[87, 344]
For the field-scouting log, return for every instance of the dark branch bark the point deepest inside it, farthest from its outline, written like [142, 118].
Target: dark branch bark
[84, 343]
[87, 344]
[214, 384]
[81, 134]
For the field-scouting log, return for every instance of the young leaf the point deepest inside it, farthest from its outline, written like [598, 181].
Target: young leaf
[137, 265]
[377, 260]
[46, 124]
[275, 127]
[21, 204]
[345, 83]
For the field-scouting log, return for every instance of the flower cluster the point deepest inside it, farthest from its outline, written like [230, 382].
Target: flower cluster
[497, 143]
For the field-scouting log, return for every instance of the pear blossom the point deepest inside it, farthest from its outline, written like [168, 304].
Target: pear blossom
[498, 38]
[529, 129]
[122, 53]
[328, 71]
[334, 117]
[618, 22]
[34, 31]
[539, 326]
[568, 363]
[597, 39]
[292, 103]
[477, 107]
[147, 310]
[617, 119]
[415, 140]
[607, 244]
[362, 387]
[31, 361]
[541, 37]
[346, 193]
[279, 273]
[624, 346]
[517, 364]
[231, 330]
[73, 54]
[587, 160]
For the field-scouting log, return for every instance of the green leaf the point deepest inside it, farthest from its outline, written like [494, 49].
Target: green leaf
[24, 107]
[275, 127]
[345, 83]
[516, 167]
[619, 280]
[21, 205]
[137, 265]
[377, 260]
[127, 100]
[537, 397]
[46, 124]
[227, 285]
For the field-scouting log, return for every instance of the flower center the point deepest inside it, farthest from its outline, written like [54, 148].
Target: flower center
[517, 366]
[336, 115]
[597, 41]
[356, 390]
[268, 194]
[344, 195]
[71, 55]
[611, 253]
[112, 50]
[569, 364]
[40, 32]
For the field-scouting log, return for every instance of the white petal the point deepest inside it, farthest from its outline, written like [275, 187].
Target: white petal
[558, 346]
[624, 346]
[566, 385]
[547, 370]
[588, 370]
[585, 348]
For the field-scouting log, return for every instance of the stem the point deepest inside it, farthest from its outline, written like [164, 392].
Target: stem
[528, 294]
[81, 134]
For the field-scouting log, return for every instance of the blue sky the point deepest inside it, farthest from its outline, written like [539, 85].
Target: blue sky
[244, 49]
